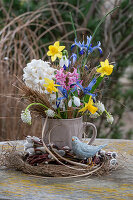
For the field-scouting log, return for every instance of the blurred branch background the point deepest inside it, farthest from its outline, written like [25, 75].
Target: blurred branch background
[28, 27]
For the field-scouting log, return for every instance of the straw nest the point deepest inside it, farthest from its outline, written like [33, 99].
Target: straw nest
[52, 164]
[14, 159]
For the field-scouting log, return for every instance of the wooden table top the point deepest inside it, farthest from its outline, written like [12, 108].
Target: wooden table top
[15, 185]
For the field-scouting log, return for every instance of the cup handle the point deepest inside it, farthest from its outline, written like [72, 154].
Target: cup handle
[94, 131]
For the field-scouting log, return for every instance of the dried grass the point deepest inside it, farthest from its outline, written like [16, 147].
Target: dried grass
[33, 96]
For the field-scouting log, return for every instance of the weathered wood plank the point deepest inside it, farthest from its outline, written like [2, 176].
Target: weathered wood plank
[117, 185]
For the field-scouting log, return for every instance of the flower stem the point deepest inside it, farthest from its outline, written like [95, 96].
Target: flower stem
[32, 104]
[58, 109]
[39, 104]
[74, 31]
[102, 20]
[99, 24]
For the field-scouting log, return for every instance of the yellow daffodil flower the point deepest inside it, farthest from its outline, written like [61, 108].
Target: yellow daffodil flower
[55, 51]
[105, 69]
[50, 86]
[89, 106]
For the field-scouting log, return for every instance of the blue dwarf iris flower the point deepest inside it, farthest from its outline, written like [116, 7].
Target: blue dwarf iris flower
[80, 45]
[88, 88]
[64, 93]
[87, 47]
[91, 49]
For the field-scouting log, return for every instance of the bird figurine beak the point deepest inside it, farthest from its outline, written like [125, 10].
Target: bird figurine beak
[73, 139]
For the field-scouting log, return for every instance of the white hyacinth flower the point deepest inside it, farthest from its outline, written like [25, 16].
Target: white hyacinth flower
[35, 72]
[100, 107]
[64, 61]
[50, 113]
[26, 116]
[110, 118]
[95, 115]
[76, 101]
[113, 162]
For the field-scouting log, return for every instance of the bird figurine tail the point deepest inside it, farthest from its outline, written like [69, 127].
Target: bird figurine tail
[101, 146]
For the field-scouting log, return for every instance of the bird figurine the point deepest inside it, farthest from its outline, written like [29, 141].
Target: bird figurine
[83, 150]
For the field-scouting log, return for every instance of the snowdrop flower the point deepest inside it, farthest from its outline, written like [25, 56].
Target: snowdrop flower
[70, 103]
[76, 101]
[95, 115]
[100, 107]
[110, 118]
[50, 113]
[35, 72]
[64, 62]
[62, 105]
[113, 162]
[26, 116]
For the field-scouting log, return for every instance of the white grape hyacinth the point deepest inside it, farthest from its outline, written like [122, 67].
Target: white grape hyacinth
[50, 113]
[95, 115]
[35, 72]
[100, 107]
[26, 116]
[110, 118]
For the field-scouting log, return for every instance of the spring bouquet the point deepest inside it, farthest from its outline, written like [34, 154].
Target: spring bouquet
[66, 87]
[62, 91]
